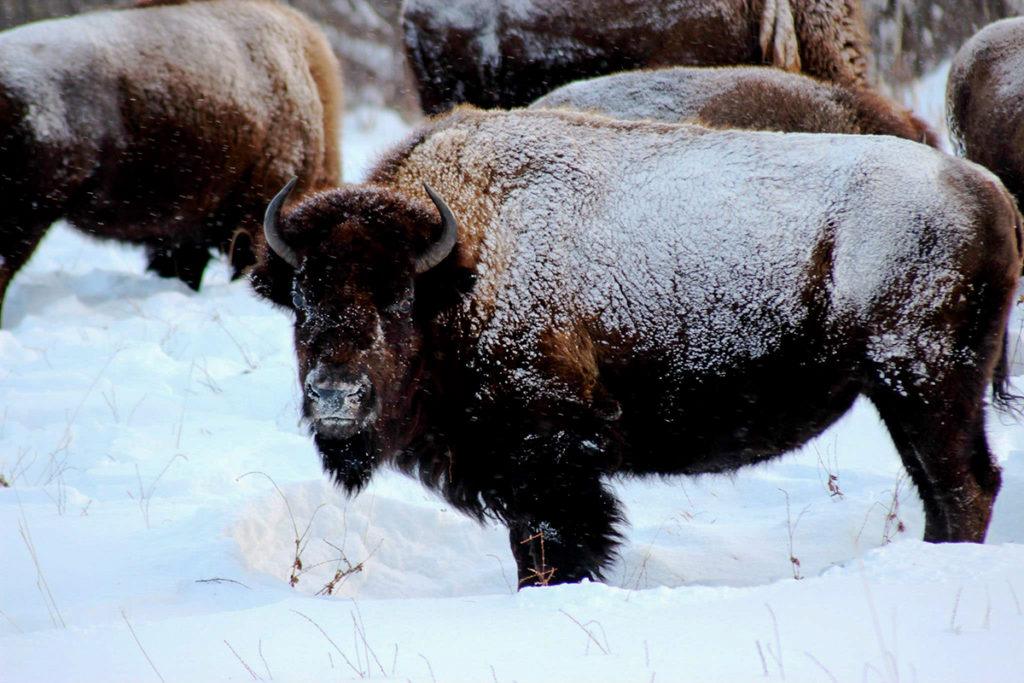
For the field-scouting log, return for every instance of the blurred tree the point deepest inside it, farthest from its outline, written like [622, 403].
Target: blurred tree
[367, 38]
[14, 12]
[912, 37]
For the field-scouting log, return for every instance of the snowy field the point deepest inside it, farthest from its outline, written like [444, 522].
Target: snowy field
[159, 488]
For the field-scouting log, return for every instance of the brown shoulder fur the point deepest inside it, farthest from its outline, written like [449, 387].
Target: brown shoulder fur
[834, 42]
[878, 115]
[797, 106]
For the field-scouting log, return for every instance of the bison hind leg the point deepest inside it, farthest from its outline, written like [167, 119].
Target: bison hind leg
[944, 448]
[183, 261]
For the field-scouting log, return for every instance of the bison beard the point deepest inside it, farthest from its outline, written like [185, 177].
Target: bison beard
[350, 462]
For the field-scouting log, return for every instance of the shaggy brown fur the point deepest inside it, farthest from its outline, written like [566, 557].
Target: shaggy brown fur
[506, 53]
[750, 97]
[985, 101]
[617, 286]
[166, 126]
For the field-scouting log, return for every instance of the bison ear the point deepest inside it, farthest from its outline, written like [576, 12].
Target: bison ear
[271, 229]
[442, 247]
[271, 278]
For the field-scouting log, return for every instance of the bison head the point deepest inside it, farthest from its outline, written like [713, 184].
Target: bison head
[352, 258]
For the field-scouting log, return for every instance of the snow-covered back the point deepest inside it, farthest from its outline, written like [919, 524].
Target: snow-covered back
[673, 94]
[159, 479]
[588, 229]
[71, 71]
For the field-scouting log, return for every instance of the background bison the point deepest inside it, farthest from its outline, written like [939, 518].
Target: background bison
[731, 293]
[754, 98]
[507, 53]
[165, 126]
[984, 101]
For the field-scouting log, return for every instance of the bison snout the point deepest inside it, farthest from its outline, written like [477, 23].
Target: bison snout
[339, 406]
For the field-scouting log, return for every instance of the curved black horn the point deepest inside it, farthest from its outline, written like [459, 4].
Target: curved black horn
[270, 230]
[439, 251]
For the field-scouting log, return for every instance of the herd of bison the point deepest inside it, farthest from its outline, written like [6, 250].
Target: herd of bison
[633, 238]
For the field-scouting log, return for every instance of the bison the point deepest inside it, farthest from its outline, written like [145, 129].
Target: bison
[750, 97]
[984, 101]
[571, 297]
[166, 126]
[507, 53]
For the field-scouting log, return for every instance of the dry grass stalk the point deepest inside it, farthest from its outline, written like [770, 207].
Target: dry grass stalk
[301, 539]
[341, 574]
[360, 630]
[543, 574]
[359, 672]
[243, 662]
[44, 588]
[605, 649]
[259, 648]
[831, 478]
[429, 668]
[146, 494]
[794, 561]
[893, 522]
[141, 649]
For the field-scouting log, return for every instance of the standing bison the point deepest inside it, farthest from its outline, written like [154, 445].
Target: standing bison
[506, 53]
[594, 298]
[749, 97]
[985, 101]
[167, 126]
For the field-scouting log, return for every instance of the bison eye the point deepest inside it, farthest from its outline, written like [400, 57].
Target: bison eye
[402, 306]
[298, 300]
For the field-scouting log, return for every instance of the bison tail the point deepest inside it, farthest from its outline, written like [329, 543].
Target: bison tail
[1003, 397]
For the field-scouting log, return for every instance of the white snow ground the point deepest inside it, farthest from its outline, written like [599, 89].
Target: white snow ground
[158, 481]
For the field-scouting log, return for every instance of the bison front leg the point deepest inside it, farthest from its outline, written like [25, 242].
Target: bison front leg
[561, 516]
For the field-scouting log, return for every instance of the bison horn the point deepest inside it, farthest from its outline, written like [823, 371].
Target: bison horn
[439, 251]
[271, 231]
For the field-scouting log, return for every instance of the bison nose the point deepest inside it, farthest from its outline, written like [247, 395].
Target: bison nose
[339, 397]
[337, 394]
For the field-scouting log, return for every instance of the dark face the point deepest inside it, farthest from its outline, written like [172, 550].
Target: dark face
[353, 258]
[354, 337]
